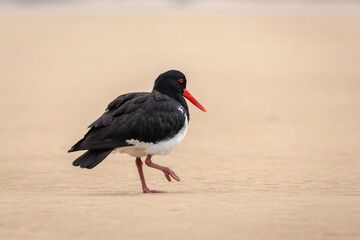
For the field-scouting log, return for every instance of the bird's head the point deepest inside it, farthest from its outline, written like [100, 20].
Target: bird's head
[173, 84]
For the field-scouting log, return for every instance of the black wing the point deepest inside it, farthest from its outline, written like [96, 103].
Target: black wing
[147, 117]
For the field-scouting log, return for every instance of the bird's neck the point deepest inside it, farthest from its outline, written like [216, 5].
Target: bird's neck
[177, 97]
[183, 103]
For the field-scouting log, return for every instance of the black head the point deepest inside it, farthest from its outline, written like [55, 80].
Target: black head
[173, 84]
[170, 83]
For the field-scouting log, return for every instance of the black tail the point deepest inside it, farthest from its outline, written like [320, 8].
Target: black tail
[92, 158]
[76, 146]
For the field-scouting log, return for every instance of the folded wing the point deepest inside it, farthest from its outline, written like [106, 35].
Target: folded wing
[147, 117]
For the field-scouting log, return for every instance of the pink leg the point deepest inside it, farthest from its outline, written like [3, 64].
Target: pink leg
[167, 171]
[145, 189]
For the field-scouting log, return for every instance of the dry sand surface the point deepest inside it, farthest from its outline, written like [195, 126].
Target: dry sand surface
[277, 156]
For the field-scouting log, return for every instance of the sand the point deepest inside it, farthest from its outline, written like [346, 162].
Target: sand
[277, 156]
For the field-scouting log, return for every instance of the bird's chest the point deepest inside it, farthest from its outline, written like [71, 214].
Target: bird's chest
[163, 147]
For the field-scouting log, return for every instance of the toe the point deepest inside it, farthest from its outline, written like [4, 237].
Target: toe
[152, 191]
[167, 177]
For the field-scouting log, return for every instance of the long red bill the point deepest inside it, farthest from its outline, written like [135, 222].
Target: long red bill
[193, 100]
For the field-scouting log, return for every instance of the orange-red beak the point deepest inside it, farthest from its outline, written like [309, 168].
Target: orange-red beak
[193, 100]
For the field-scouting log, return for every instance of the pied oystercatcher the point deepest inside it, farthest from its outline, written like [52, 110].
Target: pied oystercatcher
[141, 124]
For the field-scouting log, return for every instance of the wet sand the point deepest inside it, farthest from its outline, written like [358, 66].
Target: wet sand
[277, 156]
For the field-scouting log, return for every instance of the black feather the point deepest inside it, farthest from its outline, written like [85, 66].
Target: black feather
[147, 117]
[92, 158]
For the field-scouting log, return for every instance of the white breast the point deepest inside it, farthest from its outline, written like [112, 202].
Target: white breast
[142, 149]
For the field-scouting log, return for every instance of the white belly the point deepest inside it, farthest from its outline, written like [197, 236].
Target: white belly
[142, 149]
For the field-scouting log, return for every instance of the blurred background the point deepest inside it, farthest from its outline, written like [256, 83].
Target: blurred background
[169, 7]
[276, 156]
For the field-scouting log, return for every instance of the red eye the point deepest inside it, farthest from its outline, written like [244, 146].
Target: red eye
[181, 80]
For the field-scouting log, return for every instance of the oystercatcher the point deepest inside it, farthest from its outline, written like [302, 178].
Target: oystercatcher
[141, 124]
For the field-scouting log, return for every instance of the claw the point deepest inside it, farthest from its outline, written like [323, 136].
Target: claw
[173, 175]
[168, 172]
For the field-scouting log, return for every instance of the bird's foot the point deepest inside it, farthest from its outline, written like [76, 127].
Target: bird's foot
[170, 173]
[167, 171]
[146, 190]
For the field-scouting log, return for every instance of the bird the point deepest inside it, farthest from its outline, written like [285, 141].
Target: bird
[141, 124]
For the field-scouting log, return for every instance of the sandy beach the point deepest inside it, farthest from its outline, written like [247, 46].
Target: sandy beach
[277, 155]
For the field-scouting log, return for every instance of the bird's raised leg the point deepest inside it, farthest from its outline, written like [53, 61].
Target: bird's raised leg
[145, 189]
[167, 171]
